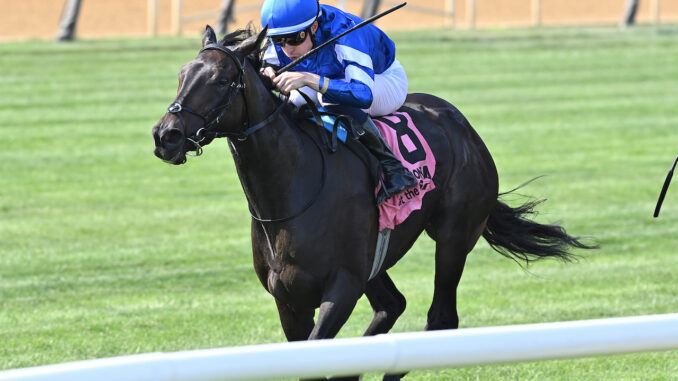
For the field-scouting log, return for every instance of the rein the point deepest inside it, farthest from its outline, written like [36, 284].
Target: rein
[312, 200]
[204, 132]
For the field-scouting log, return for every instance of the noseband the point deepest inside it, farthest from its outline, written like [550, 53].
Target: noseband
[206, 132]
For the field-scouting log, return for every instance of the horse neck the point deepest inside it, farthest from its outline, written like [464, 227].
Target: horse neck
[269, 162]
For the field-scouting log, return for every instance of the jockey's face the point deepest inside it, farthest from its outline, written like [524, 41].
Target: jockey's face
[294, 52]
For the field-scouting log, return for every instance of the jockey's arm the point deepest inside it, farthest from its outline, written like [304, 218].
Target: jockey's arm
[292, 80]
[354, 93]
[356, 87]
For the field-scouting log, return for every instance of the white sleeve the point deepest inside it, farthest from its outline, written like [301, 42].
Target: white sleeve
[271, 55]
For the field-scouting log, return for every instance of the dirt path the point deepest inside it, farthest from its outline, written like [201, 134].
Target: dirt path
[30, 19]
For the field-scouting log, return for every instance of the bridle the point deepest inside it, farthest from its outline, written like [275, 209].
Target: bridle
[206, 131]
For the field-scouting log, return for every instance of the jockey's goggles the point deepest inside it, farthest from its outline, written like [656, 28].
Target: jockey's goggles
[293, 39]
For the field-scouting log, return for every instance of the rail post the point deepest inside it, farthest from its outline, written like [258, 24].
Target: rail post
[450, 13]
[536, 12]
[655, 6]
[471, 14]
[69, 18]
[225, 16]
[176, 17]
[152, 18]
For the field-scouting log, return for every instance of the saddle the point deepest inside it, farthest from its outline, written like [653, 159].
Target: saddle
[339, 126]
[332, 128]
[404, 139]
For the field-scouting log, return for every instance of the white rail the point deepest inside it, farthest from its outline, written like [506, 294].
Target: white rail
[383, 353]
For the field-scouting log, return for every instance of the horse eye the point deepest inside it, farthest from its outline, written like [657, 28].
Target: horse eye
[224, 82]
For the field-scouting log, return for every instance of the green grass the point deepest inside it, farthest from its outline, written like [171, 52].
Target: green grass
[106, 251]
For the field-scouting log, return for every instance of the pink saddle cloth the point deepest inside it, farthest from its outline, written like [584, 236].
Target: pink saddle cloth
[409, 146]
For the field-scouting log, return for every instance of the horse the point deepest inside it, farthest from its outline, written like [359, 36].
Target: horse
[314, 217]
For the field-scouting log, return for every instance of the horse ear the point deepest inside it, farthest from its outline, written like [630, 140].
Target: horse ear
[262, 36]
[209, 37]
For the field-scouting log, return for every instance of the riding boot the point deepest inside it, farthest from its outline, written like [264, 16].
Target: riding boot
[396, 177]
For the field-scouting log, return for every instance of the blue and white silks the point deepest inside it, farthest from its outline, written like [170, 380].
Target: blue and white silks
[350, 63]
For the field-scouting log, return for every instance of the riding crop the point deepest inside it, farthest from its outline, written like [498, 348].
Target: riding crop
[664, 188]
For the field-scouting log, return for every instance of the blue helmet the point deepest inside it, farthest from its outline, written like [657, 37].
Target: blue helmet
[288, 16]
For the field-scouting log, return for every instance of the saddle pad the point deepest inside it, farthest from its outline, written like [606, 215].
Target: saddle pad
[328, 123]
[409, 146]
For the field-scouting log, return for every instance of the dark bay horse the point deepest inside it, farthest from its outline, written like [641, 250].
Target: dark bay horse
[316, 243]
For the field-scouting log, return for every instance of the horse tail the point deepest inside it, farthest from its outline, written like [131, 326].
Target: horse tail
[513, 235]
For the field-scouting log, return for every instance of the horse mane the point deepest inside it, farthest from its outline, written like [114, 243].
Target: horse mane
[238, 37]
[235, 40]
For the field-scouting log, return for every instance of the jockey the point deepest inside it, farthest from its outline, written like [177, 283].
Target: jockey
[356, 75]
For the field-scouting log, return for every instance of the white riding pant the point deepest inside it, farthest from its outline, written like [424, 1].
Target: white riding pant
[388, 93]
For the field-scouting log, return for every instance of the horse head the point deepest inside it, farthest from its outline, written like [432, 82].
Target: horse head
[211, 100]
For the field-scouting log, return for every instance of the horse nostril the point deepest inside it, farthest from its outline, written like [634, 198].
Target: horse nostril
[172, 138]
[156, 137]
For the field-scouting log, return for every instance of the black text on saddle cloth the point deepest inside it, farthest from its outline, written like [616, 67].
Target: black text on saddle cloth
[409, 146]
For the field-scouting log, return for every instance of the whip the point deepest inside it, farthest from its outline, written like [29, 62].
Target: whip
[664, 188]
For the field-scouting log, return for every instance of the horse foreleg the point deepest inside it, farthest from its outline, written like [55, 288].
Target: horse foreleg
[338, 301]
[297, 324]
[387, 303]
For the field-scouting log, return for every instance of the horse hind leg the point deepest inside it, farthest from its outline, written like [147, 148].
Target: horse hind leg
[455, 237]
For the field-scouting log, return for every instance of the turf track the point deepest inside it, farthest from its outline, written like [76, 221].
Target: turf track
[105, 251]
